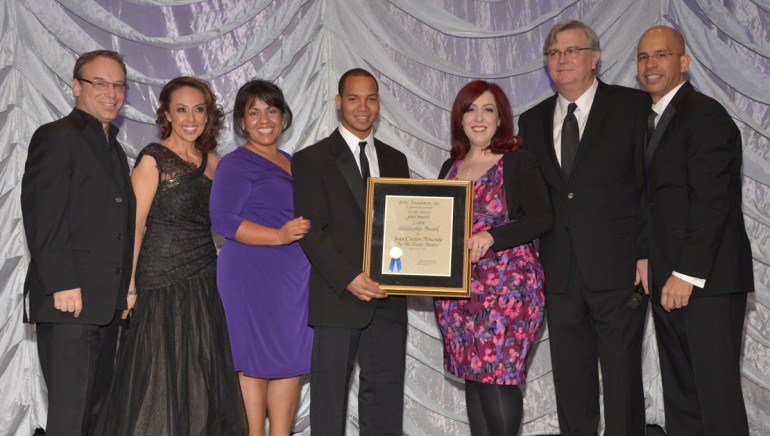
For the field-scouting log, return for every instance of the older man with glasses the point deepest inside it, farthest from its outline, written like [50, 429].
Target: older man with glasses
[588, 138]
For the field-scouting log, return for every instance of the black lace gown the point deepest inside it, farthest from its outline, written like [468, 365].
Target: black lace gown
[174, 373]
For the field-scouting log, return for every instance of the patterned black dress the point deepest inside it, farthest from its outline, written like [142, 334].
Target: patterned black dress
[174, 373]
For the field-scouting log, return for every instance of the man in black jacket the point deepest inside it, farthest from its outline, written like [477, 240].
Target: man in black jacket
[352, 316]
[700, 256]
[78, 210]
[588, 140]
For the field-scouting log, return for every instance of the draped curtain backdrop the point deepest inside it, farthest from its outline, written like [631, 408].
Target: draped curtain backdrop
[422, 52]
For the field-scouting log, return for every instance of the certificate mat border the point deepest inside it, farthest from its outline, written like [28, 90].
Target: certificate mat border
[458, 284]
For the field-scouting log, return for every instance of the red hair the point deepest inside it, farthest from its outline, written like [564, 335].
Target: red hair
[503, 141]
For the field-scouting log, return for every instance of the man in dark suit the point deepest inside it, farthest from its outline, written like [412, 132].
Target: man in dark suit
[700, 257]
[78, 210]
[351, 314]
[588, 138]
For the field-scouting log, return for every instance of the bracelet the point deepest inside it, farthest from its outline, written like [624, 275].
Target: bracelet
[131, 293]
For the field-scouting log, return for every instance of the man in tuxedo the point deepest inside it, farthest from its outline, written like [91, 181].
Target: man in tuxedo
[78, 210]
[588, 139]
[700, 257]
[352, 316]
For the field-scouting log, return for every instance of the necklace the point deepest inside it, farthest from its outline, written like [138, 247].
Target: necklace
[483, 161]
[469, 166]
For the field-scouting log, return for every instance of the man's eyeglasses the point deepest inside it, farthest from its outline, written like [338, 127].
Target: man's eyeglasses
[103, 85]
[657, 57]
[572, 52]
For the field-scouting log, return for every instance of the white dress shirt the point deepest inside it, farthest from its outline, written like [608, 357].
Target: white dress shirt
[662, 104]
[371, 153]
[583, 103]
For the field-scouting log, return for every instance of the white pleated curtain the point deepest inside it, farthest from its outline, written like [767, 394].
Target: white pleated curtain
[422, 52]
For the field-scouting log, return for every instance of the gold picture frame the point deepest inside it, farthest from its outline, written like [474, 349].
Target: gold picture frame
[417, 231]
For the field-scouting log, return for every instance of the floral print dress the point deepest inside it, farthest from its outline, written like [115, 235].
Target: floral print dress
[488, 336]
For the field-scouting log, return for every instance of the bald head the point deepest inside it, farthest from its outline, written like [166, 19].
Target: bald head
[661, 61]
[677, 40]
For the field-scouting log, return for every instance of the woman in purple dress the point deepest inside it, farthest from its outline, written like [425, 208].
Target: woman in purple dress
[488, 336]
[262, 272]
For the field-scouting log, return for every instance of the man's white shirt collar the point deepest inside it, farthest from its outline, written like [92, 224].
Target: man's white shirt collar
[371, 154]
[353, 140]
[662, 104]
[584, 103]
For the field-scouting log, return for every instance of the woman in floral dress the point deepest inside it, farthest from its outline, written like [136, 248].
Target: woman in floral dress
[487, 337]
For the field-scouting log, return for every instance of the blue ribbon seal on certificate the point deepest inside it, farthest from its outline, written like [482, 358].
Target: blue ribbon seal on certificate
[395, 258]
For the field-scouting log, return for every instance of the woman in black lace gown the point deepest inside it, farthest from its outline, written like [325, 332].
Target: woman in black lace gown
[175, 373]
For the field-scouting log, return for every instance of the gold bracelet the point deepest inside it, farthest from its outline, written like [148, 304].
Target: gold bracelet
[131, 293]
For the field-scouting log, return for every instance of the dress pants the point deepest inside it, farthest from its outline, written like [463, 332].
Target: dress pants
[700, 352]
[381, 351]
[587, 328]
[77, 362]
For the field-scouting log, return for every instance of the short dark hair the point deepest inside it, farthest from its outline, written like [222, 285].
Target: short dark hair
[263, 90]
[92, 55]
[503, 140]
[207, 141]
[355, 72]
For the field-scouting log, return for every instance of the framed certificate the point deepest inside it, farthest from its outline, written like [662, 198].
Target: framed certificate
[417, 234]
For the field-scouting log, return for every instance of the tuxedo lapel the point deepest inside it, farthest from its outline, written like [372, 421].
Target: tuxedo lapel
[660, 128]
[547, 133]
[384, 160]
[663, 121]
[347, 165]
[599, 109]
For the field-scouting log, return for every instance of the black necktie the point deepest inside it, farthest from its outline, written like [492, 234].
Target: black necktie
[570, 138]
[364, 160]
[650, 127]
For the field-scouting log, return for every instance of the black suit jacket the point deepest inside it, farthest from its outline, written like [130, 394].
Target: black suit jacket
[78, 208]
[329, 191]
[695, 223]
[527, 199]
[596, 211]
